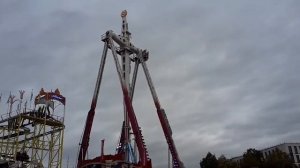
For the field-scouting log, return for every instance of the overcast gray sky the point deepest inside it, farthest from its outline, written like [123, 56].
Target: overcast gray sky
[226, 72]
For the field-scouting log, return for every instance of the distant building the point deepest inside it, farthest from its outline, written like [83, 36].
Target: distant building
[292, 149]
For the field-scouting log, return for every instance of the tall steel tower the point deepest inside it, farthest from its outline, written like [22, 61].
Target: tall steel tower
[126, 67]
[125, 157]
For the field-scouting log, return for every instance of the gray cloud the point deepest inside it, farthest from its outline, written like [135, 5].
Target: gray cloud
[226, 73]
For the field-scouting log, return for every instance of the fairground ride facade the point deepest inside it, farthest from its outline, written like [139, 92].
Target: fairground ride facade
[33, 137]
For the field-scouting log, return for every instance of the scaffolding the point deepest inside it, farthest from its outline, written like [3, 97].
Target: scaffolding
[33, 137]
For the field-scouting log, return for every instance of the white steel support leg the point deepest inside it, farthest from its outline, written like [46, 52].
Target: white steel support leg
[134, 76]
[149, 80]
[100, 72]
